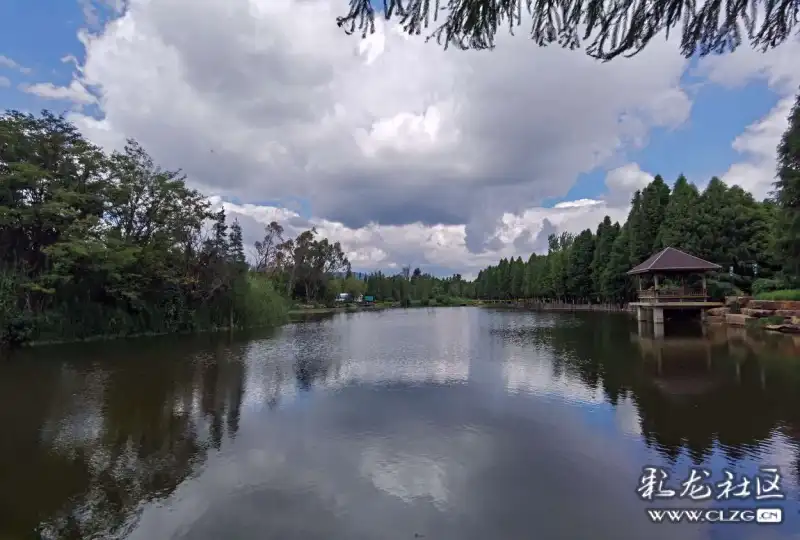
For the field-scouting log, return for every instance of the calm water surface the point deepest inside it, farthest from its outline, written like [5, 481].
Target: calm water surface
[444, 424]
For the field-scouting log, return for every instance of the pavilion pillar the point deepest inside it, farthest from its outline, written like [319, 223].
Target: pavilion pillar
[642, 327]
[704, 287]
[658, 330]
[658, 316]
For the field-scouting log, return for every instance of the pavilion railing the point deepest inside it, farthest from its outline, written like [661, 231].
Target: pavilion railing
[672, 295]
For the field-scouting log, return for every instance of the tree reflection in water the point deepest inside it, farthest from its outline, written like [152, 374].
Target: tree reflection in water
[697, 391]
[96, 437]
[101, 430]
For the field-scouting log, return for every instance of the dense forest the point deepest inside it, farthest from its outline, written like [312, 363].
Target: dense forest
[98, 245]
[757, 243]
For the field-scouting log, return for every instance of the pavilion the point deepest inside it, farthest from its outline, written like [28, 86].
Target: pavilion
[675, 266]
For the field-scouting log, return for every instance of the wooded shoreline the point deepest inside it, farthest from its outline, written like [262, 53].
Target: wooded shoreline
[544, 305]
[97, 245]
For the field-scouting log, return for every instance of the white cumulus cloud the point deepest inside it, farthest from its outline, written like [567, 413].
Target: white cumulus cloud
[407, 154]
[779, 68]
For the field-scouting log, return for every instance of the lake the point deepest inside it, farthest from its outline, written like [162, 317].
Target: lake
[443, 424]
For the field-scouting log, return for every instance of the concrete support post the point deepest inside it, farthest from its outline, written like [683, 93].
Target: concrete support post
[642, 328]
[658, 330]
[658, 315]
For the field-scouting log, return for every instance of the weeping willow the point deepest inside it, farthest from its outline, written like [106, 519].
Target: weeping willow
[610, 27]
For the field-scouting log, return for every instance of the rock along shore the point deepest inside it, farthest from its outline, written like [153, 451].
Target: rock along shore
[776, 315]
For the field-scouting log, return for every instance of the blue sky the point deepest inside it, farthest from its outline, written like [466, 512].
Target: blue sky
[699, 149]
[41, 33]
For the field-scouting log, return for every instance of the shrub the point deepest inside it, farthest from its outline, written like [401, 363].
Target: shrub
[786, 294]
[718, 290]
[261, 305]
[763, 285]
[772, 319]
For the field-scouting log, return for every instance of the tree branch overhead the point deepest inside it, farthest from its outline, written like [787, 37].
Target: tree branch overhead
[607, 28]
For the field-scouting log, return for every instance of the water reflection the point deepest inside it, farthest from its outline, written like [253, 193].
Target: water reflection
[453, 423]
[97, 430]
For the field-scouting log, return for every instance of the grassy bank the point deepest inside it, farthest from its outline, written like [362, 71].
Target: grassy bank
[786, 294]
[252, 303]
[318, 309]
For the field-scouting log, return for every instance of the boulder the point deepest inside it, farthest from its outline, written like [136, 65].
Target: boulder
[784, 328]
[793, 305]
[758, 312]
[715, 319]
[771, 305]
[741, 301]
[788, 313]
[736, 319]
[719, 311]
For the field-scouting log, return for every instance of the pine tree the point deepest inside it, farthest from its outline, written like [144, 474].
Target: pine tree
[655, 199]
[579, 265]
[638, 250]
[235, 244]
[615, 281]
[517, 277]
[711, 222]
[679, 228]
[787, 194]
[606, 234]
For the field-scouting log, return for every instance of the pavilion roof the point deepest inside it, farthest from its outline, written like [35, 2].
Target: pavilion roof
[673, 260]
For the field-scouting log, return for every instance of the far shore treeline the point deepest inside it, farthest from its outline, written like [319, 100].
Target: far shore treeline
[99, 245]
[722, 224]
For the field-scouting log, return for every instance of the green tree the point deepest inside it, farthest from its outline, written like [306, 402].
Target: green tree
[94, 244]
[711, 221]
[679, 227]
[517, 278]
[787, 194]
[579, 265]
[606, 234]
[655, 198]
[638, 248]
[615, 286]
